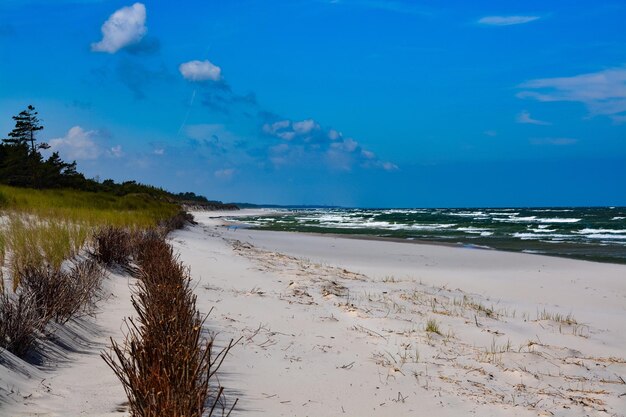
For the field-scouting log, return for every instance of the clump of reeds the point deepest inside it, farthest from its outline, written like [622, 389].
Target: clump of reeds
[113, 246]
[165, 364]
[46, 293]
[20, 322]
[178, 221]
[63, 294]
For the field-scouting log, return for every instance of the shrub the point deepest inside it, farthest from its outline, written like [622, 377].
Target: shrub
[61, 295]
[178, 221]
[112, 246]
[20, 323]
[164, 364]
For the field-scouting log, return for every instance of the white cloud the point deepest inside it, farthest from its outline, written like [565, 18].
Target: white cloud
[491, 133]
[159, 151]
[304, 127]
[389, 166]
[224, 174]
[125, 27]
[306, 140]
[78, 143]
[507, 20]
[116, 151]
[553, 141]
[200, 71]
[525, 118]
[276, 126]
[603, 92]
[333, 134]
[368, 154]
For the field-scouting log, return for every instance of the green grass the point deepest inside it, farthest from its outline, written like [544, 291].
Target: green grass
[92, 208]
[47, 227]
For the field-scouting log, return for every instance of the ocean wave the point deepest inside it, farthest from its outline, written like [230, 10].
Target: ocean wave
[595, 231]
[535, 219]
[475, 230]
[535, 236]
[618, 218]
[468, 214]
[605, 236]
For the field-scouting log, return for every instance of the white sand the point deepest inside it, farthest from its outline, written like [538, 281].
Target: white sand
[335, 326]
[74, 381]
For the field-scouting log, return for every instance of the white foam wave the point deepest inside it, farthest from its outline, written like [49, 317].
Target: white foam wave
[468, 214]
[605, 236]
[535, 236]
[535, 219]
[594, 231]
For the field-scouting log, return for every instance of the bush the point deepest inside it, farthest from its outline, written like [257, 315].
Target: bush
[164, 363]
[178, 221]
[60, 295]
[112, 246]
[20, 323]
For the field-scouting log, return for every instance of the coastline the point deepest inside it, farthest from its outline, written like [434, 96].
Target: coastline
[332, 326]
[339, 326]
[435, 242]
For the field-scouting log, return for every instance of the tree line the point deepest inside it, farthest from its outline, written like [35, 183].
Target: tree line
[23, 165]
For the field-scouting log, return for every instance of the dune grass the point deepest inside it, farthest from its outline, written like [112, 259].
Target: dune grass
[91, 208]
[45, 236]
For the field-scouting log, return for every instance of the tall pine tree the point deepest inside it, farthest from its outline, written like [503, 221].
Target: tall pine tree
[27, 124]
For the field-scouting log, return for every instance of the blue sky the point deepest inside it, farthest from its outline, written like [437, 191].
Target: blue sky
[348, 102]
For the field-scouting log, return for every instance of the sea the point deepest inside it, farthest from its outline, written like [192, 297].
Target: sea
[590, 233]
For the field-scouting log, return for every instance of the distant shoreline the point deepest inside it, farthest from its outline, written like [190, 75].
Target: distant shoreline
[368, 234]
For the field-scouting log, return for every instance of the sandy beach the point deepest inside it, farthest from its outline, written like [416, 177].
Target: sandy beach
[332, 326]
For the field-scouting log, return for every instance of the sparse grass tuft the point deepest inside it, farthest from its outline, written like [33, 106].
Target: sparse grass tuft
[556, 317]
[432, 326]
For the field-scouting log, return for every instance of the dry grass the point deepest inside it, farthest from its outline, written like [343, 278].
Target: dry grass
[20, 323]
[44, 235]
[165, 364]
[112, 246]
[61, 295]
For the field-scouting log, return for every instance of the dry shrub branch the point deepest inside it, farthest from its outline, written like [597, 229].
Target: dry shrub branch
[165, 364]
[46, 293]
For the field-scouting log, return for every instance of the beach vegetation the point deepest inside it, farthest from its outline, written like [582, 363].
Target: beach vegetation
[567, 319]
[432, 326]
[165, 363]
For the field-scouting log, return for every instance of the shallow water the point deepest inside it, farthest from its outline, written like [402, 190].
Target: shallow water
[597, 233]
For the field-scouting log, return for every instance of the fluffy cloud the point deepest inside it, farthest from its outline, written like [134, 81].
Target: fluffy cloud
[126, 26]
[306, 141]
[525, 118]
[81, 144]
[200, 71]
[603, 92]
[304, 127]
[507, 20]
